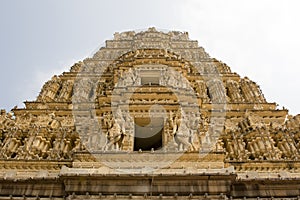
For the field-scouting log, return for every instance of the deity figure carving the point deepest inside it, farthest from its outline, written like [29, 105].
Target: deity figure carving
[56, 148]
[201, 131]
[115, 137]
[181, 133]
[130, 78]
[172, 123]
[170, 79]
[77, 145]
[101, 89]
[193, 123]
[107, 120]
[54, 123]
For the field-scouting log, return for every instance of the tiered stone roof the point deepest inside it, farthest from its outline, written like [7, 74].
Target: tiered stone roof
[213, 119]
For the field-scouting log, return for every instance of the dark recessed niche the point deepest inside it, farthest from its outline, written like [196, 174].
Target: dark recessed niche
[148, 133]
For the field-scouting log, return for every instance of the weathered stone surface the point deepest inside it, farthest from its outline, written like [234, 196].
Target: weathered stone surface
[150, 115]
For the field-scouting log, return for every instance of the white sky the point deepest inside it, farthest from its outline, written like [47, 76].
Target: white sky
[257, 38]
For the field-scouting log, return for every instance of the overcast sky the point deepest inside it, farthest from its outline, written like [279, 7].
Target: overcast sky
[257, 38]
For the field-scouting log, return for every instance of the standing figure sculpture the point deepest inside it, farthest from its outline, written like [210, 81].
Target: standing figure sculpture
[172, 122]
[181, 133]
[115, 137]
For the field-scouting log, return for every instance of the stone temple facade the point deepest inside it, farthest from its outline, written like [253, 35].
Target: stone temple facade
[150, 116]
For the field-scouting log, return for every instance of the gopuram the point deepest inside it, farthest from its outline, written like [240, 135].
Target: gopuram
[149, 116]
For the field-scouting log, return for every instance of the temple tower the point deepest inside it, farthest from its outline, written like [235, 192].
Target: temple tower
[150, 116]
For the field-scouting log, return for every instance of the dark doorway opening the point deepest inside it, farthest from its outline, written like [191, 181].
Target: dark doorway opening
[148, 133]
